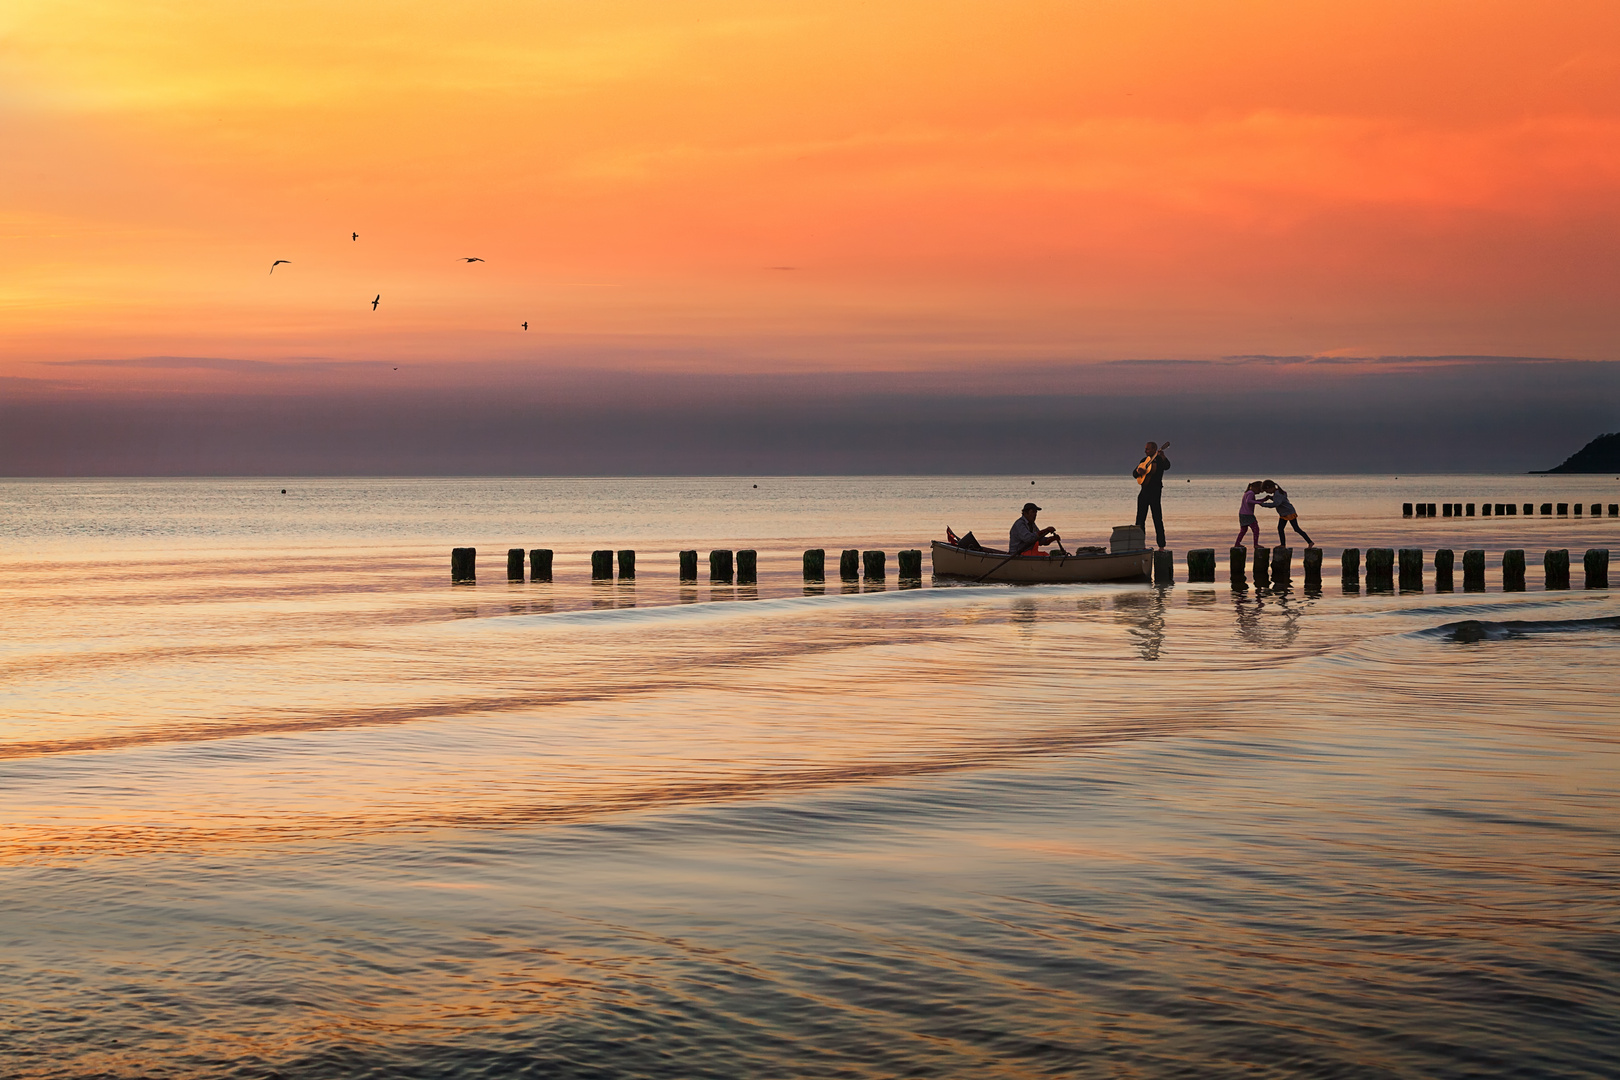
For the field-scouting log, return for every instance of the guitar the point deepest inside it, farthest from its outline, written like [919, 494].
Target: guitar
[1143, 470]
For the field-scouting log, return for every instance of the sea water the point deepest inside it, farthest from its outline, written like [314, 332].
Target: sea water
[278, 799]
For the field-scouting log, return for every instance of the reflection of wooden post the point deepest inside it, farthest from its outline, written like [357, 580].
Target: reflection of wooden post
[602, 565]
[1164, 567]
[720, 566]
[1597, 568]
[849, 565]
[1513, 570]
[463, 564]
[1444, 561]
[539, 564]
[1282, 565]
[1411, 569]
[1262, 566]
[1201, 564]
[815, 564]
[1380, 568]
[1237, 561]
[1313, 568]
[874, 565]
[1555, 568]
[1474, 570]
[514, 564]
[747, 567]
[688, 566]
[1350, 566]
[909, 563]
[627, 565]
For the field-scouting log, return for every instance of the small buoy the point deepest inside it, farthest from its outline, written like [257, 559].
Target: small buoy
[756, 485]
[1032, 483]
[284, 491]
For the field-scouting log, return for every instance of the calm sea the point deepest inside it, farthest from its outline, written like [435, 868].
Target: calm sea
[278, 800]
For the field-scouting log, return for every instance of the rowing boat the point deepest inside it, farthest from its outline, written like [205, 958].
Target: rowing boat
[953, 561]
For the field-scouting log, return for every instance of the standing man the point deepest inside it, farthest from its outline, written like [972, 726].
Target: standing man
[1150, 474]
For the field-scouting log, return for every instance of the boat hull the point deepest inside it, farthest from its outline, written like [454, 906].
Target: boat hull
[952, 561]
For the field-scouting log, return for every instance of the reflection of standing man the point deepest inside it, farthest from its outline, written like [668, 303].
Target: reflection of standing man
[1150, 474]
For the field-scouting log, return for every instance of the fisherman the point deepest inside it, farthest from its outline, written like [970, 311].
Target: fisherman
[1025, 535]
[1150, 475]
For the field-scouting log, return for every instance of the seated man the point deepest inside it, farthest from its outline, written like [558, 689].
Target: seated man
[1025, 537]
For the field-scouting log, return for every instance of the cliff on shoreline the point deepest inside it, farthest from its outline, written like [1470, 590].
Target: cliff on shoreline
[1601, 455]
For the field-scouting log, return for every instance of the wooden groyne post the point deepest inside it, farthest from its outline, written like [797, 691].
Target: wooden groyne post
[1313, 567]
[815, 564]
[1262, 567]
[1350, 568]
[1380, 568]
[1282, 566]
[1237, 561]
[849, 565]
[689, 566]
[1513, 570]
[1445, 561]
[1555, 568]
[1597, 568]
[720, 569]
[1164, 567]
[1411, 569]
[747, 567]
[874, 565]
[463, 564]
[539, 564]
[909, 564]
[514, 564]
[1474, 570]
[1201, 564]
[627, 565]
[602, 565]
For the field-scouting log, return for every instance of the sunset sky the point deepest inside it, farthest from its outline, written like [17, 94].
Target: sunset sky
[788, 200]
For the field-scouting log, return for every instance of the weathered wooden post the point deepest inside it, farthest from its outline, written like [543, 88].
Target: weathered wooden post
[1597, 568]
[849, 565]
[1526, 509]
[1262, 566]
[602, 565]
[1555, 569]
[1350, 567]
[1431, 509]
[1513, 570]
[1614, 509]
[1282, 565]
[1546, 509]
[627, 565]
[1411, 569]
[1445, 561]
[1474, 570]
[1406, 510]
[1576, 509]
[874, 565]
[1468, 510]
[1237, 560]
[747, 567]
[689, 566]
[1563, 509]
[1445, 510]
[514, 564]
[1313, 568]
[1381, 569]
[1597, 509]
[1164, 567]
[910, 564]
[1201, 564]
[720, 569]
[815, 564]
[463, 564]
[539, 564]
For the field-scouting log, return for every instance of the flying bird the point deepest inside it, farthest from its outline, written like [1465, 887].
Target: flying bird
[375, 302]
[278, 262]
[471, 260]
[354, 236]
[525, 326]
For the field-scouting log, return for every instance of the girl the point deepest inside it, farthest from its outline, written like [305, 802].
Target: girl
[1277, 499]
[1246, 518]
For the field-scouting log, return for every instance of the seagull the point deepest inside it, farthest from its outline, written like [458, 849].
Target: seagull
[354, 236]
[278, 262]
[525, 326]
[375, 302]
[471, 260]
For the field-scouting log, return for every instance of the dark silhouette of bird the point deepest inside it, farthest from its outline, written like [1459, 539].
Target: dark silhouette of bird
[354, 236]
[464, 259]
[278, 262]
[375, 302]
[525, 326]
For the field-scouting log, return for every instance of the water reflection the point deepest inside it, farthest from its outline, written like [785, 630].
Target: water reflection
[1143, 614]
[1267, 620]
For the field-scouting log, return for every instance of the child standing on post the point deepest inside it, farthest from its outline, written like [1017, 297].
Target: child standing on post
[1246, 518]
[1277, 499]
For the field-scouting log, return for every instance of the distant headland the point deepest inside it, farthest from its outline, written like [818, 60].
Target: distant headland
[1601, 455]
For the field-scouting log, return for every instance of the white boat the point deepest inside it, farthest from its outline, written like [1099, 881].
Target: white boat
[951, 560]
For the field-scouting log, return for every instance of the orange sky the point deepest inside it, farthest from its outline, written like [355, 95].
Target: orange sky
[950, 182]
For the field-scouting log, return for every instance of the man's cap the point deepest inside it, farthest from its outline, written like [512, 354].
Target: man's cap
[1031, 506]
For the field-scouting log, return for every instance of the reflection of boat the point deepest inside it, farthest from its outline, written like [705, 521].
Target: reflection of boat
[953, 561]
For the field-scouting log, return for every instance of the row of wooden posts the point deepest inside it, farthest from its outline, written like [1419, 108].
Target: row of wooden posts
[1501, 509]
[725, 566]
[1384, 566]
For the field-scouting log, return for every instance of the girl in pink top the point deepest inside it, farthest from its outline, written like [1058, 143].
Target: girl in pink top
[1246, 518]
